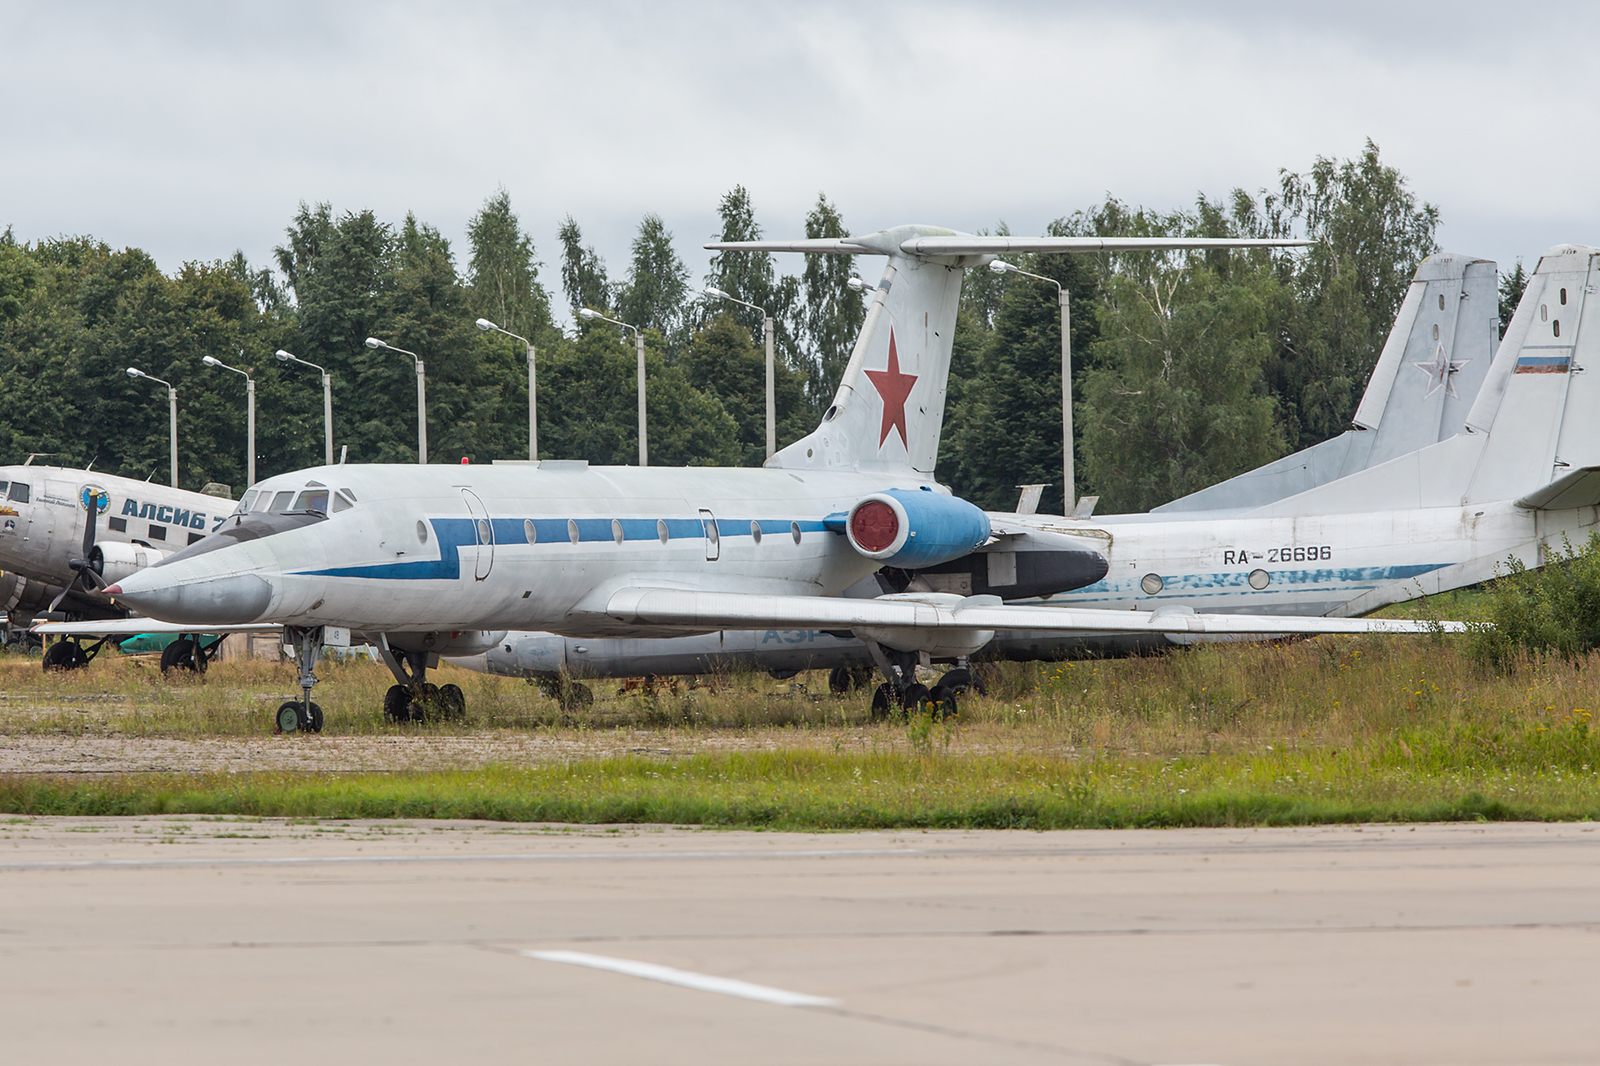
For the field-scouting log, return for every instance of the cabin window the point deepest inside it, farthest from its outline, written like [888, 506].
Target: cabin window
[1260, 579]
[119, 525]
[1563, 297]
[530, 531]
[18, 493]
[313, 500]
[195, 538]
[485, 532]
[661, 530]
[1544, 312]
[422, 532]
[1555, 327]
[755, 532]
[1441, 301]
[158, 532]
[616, 531]
[280, 502]
[794, 531]
[572, 530]
[350, 493]
[1152, 584]
[1436, 331]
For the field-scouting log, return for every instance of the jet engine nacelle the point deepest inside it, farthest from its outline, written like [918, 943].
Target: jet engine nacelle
[115, 560]
[915, 528]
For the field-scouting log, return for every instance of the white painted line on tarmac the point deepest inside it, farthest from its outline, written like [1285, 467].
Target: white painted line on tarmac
[337, 860]
[685, 978]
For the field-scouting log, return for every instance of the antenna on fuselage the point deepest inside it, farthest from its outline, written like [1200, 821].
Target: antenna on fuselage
[344, 450]
[39, 455]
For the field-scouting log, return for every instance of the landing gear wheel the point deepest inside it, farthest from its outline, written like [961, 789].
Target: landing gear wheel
[942, 701]
[312, 723]
[397, 704]
[915, 698]
[452, 703]
[181, 654]
[288, 716]
[575, 694]
[65, 655]
[840, 681]
[425, 703]
[883, 702]
[956, 680]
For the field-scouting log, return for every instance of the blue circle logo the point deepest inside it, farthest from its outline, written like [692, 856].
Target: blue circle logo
[94, 500]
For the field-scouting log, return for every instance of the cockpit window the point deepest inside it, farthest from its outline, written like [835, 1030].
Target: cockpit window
[280, 502]
[341, 502]
[264, 502]
[312, 500]
[18, 493]
[244, 504]
[3, 487]
[350, 493]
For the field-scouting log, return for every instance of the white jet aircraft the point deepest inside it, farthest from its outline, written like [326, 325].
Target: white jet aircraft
[66, 534]
[1437, 355]
[444, 559]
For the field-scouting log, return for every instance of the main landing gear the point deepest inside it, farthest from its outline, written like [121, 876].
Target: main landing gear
[415, 698]
[190, 653]
[301, 716]
[902, 695]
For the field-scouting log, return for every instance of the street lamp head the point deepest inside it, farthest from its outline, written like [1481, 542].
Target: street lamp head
[998, 266]
[375, 343]
[485, 325]
[209, 361]
[283, 356]
[711, 290]
[857, 284]
[135, 372]
[584, 312]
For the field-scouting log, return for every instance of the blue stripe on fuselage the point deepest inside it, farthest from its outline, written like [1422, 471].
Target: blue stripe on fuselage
[453, 534]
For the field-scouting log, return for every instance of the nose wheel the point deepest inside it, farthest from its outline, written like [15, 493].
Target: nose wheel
[302, 716]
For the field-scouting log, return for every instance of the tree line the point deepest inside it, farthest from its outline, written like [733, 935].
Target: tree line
[1188, 368]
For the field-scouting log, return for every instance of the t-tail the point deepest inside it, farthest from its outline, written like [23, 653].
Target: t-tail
[888, 411]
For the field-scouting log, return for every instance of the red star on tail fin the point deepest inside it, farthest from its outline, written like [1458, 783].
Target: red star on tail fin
[894, 387]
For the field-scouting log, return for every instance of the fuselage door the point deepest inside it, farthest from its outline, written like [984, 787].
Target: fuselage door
[708, 522]
[482, 534]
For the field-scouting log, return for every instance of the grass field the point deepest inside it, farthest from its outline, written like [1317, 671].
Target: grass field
[1327, 730]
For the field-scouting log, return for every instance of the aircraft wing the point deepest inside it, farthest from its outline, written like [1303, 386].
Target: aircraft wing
[686, 609]
[128, 627]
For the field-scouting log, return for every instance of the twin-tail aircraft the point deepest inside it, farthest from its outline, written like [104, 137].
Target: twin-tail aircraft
[423, 560]
[1437, 356]
[66, 534]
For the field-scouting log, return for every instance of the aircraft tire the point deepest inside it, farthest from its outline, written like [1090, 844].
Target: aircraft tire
[914, 699]
[452, 703]
[288, 719]
[840, 681]
[883, 702]
[942, 701]
[397, 704]
[956, 680]
[180, 654]
[425, 707]
[575, 694]
[64, 655]
[311, 723]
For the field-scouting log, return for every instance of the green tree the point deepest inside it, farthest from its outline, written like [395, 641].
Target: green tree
[502, 275]
[653, 297]
[832, 314]
[1512, 286]
[583, 272]
[723, 361]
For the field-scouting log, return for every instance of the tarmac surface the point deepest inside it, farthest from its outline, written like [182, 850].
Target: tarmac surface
[194, 940]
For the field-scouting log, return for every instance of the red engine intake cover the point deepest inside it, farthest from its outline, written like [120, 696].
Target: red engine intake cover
[874, 525]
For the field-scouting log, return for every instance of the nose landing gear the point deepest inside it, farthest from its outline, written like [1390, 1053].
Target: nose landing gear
[302, 716]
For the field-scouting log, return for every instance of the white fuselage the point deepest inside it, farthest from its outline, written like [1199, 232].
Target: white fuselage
[523, 547]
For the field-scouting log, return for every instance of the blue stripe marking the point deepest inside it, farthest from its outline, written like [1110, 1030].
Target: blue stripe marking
[1215, 584]
[455, 533]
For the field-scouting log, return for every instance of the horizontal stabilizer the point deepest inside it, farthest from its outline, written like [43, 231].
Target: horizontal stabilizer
[959, 245]
[1581, 488]
[685, 609]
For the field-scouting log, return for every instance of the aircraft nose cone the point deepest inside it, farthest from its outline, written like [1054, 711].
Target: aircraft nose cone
[231, 600]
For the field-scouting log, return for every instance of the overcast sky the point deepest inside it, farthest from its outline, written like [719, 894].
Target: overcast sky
[192, 130]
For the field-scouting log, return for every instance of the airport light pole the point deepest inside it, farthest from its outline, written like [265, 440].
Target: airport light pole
[768, 331]
[172, 401]
[422, 397]
[533, 385]
[638, 340]
[327, 402]
[250, 417]
[1068, 481]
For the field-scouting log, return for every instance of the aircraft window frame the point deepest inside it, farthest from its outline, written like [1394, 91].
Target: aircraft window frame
[1563, 297]
[246, 500]
[339, 503]
[1152, 584]
[572, 530]
[351, 493]
[422, 531]
[158, 532]
[3, 486]
[312, 499]
[794, 531]
[19, 492]
[1544, 312]
[1555, 327]
[662, 531]
[616, 531]
[281, 501]
[755, 532]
